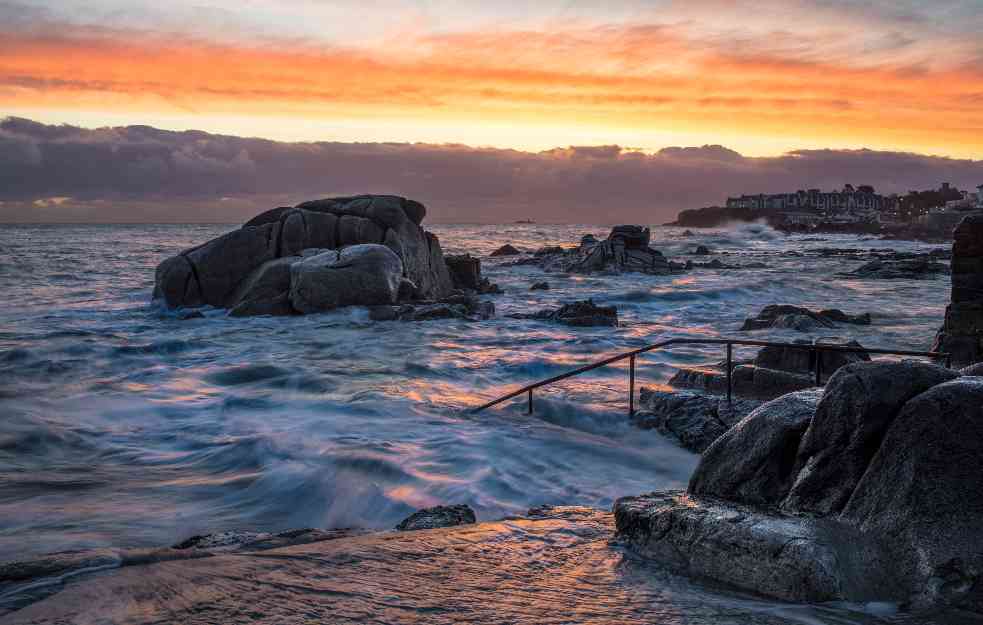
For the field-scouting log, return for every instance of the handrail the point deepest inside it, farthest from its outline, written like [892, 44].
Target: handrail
[630, 356]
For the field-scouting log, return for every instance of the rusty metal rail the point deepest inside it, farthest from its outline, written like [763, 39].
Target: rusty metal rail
[814, 348]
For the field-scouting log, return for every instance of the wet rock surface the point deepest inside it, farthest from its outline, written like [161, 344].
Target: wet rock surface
[461, 306]
[882, 475]
[915, 269]
[235, 270]
[693, 419]
[439, 516]
[800, 318]
[583, 313]
[962, 331]
[465, 271]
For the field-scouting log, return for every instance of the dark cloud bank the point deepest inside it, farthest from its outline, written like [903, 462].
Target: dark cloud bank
[138, 173]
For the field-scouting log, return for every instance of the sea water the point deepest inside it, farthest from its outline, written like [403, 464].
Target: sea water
[125, 425]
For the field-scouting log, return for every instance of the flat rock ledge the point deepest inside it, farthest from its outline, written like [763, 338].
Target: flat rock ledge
[795, 558]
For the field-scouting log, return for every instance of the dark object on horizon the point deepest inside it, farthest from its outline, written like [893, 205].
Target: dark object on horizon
[799, 318]
[506, 250]
[438, 516]
[262, 267]
[525, 221]
[540, 286]
[701, 250]
[870, 493]
[583, 313]
[962, 331]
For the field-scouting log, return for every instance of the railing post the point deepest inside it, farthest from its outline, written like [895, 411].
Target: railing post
[730, 379]
[530, 402]
[631, 386]
[819, 365]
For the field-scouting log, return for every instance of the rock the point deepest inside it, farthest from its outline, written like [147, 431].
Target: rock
[465, 273]
[916, 269]
[625, 249]
[973, 370]
[797, 559]
[505, 250]
[633, 237]
[687, 233]
[748, 380]
[266, 291]
[859, 403]
[464, 307]
[961, 334]
[922, 490]
[803, 360]
[799, 318]
[753, 461]
[695, 420]
[540, 286]
[891, 457]
[439, 516]
[213, 273]
[701, 250]
[360, 275]
[549, 250]
[583, 313]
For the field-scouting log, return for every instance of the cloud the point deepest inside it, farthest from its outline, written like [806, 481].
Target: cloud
[139, 173]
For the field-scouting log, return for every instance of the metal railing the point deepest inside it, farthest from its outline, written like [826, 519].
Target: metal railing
[814, 348]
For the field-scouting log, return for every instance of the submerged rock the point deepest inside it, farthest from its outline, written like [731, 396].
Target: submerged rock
[582, 313]
[540, 286]
[465, 307]
[439, 516]
[914, 269]
[506, 250]
[232, 271]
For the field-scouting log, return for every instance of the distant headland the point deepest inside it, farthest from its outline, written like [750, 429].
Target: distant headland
[929, 214]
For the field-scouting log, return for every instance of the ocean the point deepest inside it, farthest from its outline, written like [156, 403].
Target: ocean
[125, 425]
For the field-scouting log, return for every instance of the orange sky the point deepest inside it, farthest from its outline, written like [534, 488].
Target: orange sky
[762, 90]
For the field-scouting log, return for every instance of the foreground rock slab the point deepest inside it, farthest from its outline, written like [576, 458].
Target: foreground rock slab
[870, 493]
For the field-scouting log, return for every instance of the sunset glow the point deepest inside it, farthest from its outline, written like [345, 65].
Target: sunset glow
[642, 75]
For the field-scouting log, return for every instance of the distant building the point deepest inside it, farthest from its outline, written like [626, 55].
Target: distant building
[979, 196]
[846, 203]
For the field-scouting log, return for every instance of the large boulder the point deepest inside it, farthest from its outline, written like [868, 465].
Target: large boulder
[266, 291]
[922, 490]
[360, 275]
[962, 332]
[859, 404]
[215, 273]
[625, 249]
[753, 461]
[892, 512]
[913, 269]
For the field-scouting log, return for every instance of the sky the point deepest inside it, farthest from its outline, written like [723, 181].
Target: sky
[517, 82]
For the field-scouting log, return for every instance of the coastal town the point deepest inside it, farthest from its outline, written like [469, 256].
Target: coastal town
[850, 209]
